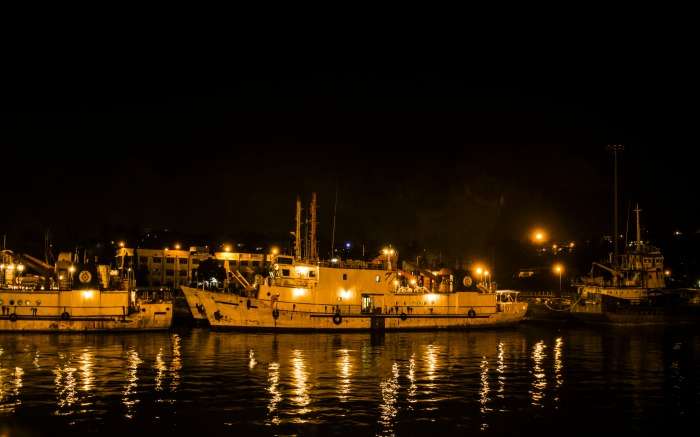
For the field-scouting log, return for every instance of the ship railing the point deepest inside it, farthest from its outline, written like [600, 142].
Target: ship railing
[353, 265]
[52, 311]
[387, 309]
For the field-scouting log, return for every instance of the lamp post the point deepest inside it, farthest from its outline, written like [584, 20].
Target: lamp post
[558, 268]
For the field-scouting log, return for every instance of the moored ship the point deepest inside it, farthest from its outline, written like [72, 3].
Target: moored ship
[631, 290]
[303, 292]
[73, 296]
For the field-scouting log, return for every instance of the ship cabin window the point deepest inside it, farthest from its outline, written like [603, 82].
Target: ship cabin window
[156, 260]
[244, 263]
[377, 279]
[143, 260]
[195, 261]
[312, 273]
[285, 260]
[345, 276]
[169, 260]
[285, 272]
[183, 261]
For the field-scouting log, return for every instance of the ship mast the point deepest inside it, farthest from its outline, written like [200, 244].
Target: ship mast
[297, 233]
[313, 249]
[639, 229]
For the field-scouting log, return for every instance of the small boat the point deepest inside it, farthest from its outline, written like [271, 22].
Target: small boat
[74, 296]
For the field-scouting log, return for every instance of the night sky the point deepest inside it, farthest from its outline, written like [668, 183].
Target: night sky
[433, 160]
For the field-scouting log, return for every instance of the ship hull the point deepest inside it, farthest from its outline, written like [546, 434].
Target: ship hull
[151, 317]
[233, 312]
[194, 302]
[637, 316]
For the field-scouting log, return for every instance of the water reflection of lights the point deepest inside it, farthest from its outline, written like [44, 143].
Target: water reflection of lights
[344, 366]
[412, 388]
[10, 390]
[87, 362]
[273, 380]
[175, 364]
[484, 392]
[539, 383]
[160, 370]
[558, 366]
[65, 386]
[430, 358]
[132, 363]
[252, 362]
[388, 409]
[501, 369]
[299, 383]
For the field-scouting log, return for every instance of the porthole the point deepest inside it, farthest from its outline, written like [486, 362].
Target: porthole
[38, 302]
[26, 302]
[12, 302]
[19, 302]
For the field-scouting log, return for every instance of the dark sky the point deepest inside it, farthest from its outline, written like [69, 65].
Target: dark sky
[446, 161]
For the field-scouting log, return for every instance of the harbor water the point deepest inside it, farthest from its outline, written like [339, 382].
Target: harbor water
[528, 380]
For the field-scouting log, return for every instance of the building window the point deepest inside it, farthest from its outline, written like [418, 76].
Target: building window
[156, 260]
[183, 272]
[312, 273]
[169, 260]
[195, 261]
[183, 261]
[169, 272]
[345, 276]
[285, 272]
[143, 260]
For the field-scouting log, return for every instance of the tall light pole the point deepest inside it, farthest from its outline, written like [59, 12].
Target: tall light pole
[615, 148]
[558, 268]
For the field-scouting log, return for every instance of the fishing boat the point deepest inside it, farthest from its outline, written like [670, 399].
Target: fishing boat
[302, 292]
[631, 290]
[74, 295]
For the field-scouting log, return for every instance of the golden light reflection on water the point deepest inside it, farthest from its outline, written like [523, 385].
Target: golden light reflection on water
[501, 369]
[273, 380]
[300, 376]
[128, 399]
[160, 370]
[344, 366]
[412, 388]
[539, 382]
[430, 357]
[388, 408]
[558, 366]
[87, 363]
[484, 391]
[176, 363]
[252, 362]
[10, 387]
[65, 387]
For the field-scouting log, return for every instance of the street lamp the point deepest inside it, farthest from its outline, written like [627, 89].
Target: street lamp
[538, 236]
[558, 268]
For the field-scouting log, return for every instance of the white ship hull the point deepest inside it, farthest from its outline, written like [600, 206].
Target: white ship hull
[80, 311]
[475, 310]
